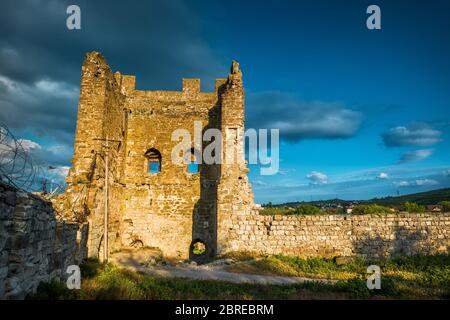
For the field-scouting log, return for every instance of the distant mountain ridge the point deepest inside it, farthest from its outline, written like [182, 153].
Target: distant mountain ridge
[423, 198]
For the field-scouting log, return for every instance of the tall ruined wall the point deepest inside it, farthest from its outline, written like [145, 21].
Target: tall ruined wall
[338, 235]
[171, 208]
[100, 132]
[34, 245]
[235, 197]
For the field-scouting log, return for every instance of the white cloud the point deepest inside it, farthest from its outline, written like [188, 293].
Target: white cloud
[426, 182]
[383, 175]
[284, 172]
[259, 183]
[415, 155]
[41, 89]
[446, 172]
[62, 171]
[418, 183]
[402, 184]
[412, 135]
[29, 145]
[56, 89]
[317, 178]
[297, 119]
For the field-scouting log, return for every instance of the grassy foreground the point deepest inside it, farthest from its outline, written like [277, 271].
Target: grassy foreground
[408, 277]
[411, 278]
[108, 282]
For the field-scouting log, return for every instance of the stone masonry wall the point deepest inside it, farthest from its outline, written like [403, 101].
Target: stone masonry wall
[342, 235]
[234, 192]
[171, 209]
[168, 209]
[100, 132]
[34, 245]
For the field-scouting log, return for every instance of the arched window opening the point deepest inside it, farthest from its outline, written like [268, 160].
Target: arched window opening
[154, 160]
[193, 166]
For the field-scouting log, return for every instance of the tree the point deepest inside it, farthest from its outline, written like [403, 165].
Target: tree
[306, 209]
[445, 206]
[370, 209]
[413, 207]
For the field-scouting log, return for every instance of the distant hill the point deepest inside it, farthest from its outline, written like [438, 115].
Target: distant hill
[424, 198]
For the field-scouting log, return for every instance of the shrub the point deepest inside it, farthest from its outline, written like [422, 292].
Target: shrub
[271, 211]
[199, 248]
[445, 206]
[54, 290]
[370, 209]
[306, 209]
[303, 209]
[413, 207]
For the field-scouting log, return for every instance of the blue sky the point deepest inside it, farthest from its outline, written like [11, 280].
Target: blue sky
[364, 113]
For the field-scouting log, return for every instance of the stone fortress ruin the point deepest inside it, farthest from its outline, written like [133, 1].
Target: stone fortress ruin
[152, 201]
[123, 177]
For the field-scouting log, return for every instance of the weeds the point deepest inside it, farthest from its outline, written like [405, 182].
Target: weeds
[405, 278]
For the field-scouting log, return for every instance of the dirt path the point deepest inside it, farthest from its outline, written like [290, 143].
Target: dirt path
[209, 272]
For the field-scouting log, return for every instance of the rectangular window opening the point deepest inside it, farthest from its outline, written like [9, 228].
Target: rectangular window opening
[193, 167]
[154, 167]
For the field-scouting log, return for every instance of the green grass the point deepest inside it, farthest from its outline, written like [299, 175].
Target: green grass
[406, 278]
[109, 282]
[409, 277]
[199, 248]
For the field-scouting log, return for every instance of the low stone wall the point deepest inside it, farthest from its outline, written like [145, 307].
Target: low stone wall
[34, 245]
[342, 235]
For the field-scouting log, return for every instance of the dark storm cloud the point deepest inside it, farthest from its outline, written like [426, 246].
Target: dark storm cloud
[298, 120]
[47, 108]
[159, 41]
[40, 59]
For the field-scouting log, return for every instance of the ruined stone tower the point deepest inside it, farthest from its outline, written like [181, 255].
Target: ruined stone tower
[153, 201]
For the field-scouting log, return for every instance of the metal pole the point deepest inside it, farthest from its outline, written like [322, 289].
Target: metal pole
[105, 222]
[105, 217]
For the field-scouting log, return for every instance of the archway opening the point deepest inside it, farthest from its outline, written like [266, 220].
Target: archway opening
[198, 251]
[153, 157]
[198, 248]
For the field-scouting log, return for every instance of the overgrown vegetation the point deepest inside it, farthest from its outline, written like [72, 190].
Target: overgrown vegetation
[407, 277]
[199, 248]
[413, 207]
[108, 282]
[303, 209]
[415, 203]
[308, 209]
[371, 209]
[445, 206]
